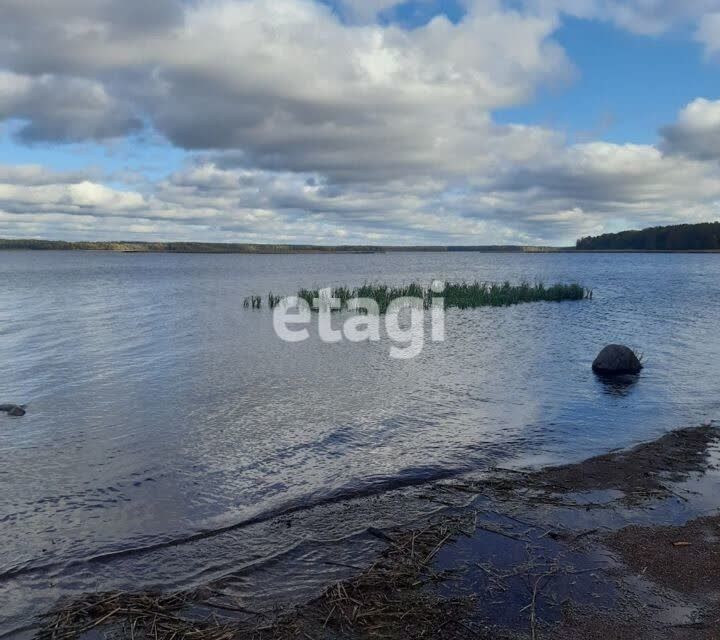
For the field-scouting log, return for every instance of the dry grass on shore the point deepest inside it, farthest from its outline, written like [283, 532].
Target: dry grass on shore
[388, 600]
[398, 596]
[130, 615]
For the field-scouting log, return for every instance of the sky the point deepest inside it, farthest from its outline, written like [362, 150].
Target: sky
[357, 121]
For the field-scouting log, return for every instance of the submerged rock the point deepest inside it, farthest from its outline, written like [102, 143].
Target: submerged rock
[617, 359]
[13, 409]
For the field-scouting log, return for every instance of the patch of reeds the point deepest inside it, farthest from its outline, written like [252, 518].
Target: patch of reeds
[254, 301]
[476, 294]
[383, 295]
[464, 295]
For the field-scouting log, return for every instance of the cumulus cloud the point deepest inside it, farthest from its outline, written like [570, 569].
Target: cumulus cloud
[611, 175]
[696, 132]
[616, 184]
[278, 80]
[35, 174]
[63, 109]
[569, 192]
[26, 190]
[652, 17]
[644, 17]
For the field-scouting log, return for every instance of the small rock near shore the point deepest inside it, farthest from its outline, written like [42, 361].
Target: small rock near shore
[14, 410]
[617, 359]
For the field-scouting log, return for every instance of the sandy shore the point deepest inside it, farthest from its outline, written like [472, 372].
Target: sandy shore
[625, 545]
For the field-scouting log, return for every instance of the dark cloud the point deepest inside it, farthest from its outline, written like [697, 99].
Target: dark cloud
[63, 109]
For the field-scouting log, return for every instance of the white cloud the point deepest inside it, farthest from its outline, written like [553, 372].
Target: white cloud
[696, 132]
[553, 198]
[653, 17]
[709, 33]
[290, 86]
[645, 17]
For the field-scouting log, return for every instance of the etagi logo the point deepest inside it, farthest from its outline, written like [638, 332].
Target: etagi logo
[404, 320]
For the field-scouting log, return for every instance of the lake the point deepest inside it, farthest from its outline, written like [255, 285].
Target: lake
[170, 432]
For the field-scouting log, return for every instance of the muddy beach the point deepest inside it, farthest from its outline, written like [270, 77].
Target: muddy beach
[624, 545]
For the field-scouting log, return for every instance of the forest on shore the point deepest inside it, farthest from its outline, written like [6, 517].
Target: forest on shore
[682, 237]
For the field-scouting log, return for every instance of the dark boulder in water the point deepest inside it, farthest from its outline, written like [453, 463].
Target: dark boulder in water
[617, 359]
[13, 409]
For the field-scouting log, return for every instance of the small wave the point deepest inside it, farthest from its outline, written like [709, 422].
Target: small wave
[409, 478]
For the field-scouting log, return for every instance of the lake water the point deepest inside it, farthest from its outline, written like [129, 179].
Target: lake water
[170, 432]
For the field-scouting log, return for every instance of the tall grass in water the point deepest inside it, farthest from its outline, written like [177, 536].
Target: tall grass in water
[253, 301]
[383, 295]
[478, 294]
[460, 296]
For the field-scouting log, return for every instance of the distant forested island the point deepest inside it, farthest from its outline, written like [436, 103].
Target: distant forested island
[682, 237]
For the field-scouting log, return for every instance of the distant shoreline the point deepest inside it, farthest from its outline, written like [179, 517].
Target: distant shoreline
[122, 246]
[279, 249]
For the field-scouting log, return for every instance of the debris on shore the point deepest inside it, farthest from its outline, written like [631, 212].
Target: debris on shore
[611, 548]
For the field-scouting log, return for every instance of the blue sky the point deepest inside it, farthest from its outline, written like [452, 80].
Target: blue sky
[627, 86]
[369, 121]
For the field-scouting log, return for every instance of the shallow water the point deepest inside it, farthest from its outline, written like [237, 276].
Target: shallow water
[168, 426]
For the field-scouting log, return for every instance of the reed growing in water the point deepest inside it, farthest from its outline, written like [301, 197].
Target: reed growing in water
[477, 294]
[464, 295]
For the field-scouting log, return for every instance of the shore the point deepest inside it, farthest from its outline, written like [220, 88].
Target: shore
[625, 545]
[120, 246]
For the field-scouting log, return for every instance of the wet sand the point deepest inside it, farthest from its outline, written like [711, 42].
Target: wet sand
[625, 545]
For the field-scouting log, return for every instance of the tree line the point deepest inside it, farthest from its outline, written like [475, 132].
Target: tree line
[682, 237]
